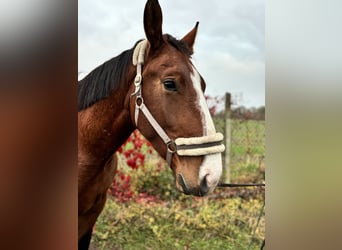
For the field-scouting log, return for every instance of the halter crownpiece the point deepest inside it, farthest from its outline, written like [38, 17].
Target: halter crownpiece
[139, 53]
[192, 146]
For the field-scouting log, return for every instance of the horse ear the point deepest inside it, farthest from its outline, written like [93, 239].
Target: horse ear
[153, 20]
[189, 39]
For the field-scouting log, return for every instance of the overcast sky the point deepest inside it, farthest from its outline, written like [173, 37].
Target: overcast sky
[229, 49]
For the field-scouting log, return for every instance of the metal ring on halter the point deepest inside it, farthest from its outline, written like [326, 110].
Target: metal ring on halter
[139, 99]
[171, 147]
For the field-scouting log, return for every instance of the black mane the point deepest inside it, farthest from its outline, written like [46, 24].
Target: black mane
[100, 82]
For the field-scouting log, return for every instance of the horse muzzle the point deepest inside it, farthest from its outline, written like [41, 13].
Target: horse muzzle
[198, 177]
[200, 190]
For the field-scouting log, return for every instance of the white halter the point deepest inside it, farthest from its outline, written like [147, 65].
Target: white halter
[192, 146]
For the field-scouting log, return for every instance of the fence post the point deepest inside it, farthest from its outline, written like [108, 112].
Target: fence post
[227, 137]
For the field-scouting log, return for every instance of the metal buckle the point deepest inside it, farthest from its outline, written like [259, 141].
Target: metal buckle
[171, 147]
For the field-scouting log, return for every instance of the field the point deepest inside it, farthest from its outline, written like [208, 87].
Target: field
[144, 210]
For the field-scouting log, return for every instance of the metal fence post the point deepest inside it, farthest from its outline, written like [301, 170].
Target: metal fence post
[227, 137]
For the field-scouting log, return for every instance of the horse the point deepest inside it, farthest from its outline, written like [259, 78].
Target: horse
[153, 87]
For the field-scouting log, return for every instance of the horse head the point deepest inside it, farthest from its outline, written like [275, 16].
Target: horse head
[168, 106]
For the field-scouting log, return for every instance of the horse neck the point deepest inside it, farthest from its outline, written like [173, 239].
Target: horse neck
[104, 127]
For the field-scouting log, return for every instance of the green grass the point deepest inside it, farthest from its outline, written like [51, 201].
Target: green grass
[187, 223]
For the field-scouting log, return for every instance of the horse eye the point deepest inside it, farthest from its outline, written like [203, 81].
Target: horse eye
[170, 85]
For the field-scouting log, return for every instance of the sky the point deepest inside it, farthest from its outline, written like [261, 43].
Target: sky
[229, 48]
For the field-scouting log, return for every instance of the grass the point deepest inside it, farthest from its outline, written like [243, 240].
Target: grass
[187, 223]
[165, 219]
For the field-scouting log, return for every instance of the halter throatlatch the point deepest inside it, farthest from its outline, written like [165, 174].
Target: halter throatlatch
[192, 146]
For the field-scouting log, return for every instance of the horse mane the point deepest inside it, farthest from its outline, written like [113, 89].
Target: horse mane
[105, 78]
[111, 75]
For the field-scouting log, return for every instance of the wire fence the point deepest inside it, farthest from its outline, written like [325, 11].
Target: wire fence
[248, 147]
[244, 131]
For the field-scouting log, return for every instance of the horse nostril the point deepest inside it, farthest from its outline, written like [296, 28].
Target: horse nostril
[204, 185]
[202, 190]
[183, 184]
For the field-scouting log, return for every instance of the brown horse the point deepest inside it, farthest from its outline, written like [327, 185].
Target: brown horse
[155, 88]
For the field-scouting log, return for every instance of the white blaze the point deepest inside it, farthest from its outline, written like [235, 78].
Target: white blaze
[212, 164]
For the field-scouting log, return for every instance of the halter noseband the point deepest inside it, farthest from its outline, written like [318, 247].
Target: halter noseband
[192, 146]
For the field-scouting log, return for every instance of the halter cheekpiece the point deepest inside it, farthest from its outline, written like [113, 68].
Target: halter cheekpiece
[192, 146]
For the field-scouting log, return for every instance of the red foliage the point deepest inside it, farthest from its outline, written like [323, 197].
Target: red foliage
[121, 186]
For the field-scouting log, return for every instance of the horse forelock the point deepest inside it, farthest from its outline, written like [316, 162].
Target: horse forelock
[179, 45]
